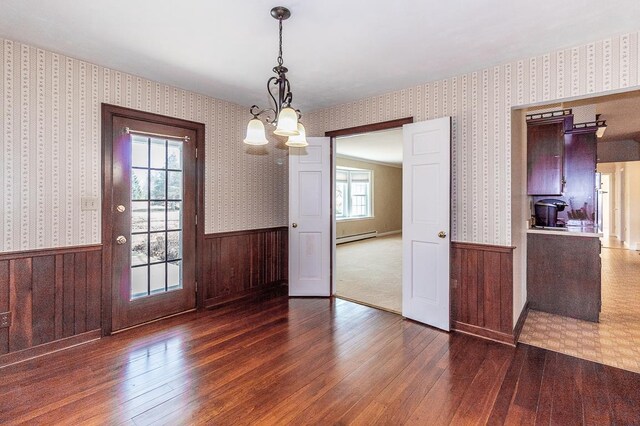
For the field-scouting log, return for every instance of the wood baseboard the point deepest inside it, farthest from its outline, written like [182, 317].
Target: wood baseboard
[47, 348]
[483, 333]
[520, 323]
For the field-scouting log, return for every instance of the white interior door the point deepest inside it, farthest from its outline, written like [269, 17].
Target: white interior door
[310, 219]
[425, 221]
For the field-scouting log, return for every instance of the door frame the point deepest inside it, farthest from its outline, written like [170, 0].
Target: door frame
[610, 205]
[349, 131]
[109, 112]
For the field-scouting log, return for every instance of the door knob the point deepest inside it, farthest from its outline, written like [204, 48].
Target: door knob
[121, 240]
[294, 225]
[442, 234]
[120, 208]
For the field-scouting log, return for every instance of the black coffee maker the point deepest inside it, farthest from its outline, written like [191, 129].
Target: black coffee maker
[546, 212]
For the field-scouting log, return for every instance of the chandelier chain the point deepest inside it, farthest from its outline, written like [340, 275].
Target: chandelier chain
[280, 61]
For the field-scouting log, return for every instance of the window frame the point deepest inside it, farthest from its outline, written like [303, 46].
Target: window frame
[347, 197]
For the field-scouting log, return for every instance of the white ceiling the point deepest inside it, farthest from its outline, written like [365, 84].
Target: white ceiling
[384, 146]
[337, 51]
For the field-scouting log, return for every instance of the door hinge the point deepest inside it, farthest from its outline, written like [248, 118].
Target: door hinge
[196, 220]
[196, 152]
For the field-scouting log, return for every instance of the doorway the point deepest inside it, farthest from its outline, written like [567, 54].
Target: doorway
[368, 218]
[426, 208]
[612, 340]
[426, 212]
[152, 197]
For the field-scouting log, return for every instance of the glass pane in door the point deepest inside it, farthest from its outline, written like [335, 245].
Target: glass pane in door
[156, 215]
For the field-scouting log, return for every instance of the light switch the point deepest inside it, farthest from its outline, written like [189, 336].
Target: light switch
[89, 203]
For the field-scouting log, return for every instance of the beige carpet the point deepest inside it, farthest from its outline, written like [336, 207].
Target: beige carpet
[370, 271]
[615, 340]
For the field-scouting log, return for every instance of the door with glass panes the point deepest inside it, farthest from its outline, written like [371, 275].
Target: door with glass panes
[154, 221]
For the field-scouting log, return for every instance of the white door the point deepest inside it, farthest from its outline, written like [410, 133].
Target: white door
[310, 219]
[425, 221]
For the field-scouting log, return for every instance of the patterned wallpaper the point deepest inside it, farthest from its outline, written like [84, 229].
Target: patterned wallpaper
[50, 150]
[480, 104]
[50, 138]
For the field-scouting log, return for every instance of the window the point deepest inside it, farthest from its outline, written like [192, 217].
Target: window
[353, 193]
[156, 215]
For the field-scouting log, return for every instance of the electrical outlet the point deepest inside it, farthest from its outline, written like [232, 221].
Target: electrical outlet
[5, 319]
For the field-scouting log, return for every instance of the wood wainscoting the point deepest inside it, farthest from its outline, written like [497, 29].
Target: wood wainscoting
[52, 298]
[240, 264]
[482, 290]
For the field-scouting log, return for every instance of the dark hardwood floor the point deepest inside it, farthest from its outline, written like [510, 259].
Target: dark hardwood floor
[310, 361]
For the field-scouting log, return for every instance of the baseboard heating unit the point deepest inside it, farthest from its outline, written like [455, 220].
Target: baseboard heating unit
[356, 237]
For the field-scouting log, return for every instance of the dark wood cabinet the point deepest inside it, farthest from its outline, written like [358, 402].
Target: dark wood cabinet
[574, 180]
[545, 157]
[580, 153]
[563, 275]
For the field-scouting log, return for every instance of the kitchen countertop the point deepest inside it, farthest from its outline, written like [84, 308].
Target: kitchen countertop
[569, 231]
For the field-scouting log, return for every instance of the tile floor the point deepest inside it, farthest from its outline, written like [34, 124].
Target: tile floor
[615, 340]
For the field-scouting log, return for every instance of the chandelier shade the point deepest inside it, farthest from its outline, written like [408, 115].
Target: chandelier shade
[300, 140]
[281, 114]
[287, 123]
[255, 133]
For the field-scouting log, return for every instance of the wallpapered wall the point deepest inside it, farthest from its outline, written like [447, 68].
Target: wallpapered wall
[480, 104]
[51, 150]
